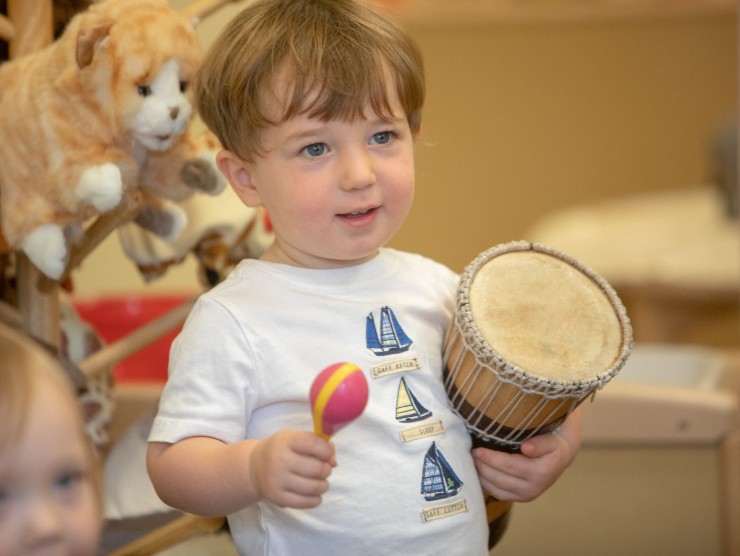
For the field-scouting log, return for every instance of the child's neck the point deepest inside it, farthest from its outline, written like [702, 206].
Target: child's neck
[276, 255]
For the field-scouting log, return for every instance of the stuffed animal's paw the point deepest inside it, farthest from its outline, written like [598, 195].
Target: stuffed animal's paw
[47, 249]
[101, 186]
[201, 174]
[166, 222]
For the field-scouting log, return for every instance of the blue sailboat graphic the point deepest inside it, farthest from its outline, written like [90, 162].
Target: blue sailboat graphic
[438, 479]
[390, 338]
[408, 408]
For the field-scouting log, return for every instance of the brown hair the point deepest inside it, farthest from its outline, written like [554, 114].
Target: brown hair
[337, 56]
[24, 363]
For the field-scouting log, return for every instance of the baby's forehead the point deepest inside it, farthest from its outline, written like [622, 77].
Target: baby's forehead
[288, 91]
[325, 106]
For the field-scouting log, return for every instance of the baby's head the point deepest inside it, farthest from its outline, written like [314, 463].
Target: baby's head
[50, 485]
[327, 59]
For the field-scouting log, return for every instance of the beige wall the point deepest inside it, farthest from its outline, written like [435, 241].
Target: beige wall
[527, 117]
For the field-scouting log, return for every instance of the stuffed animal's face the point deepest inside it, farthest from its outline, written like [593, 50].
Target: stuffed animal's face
[144, 64]
[164, 110]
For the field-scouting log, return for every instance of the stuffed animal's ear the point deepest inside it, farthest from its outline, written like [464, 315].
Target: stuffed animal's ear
[88, 40]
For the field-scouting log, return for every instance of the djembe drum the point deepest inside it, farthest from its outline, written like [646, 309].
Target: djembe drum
[535, 333]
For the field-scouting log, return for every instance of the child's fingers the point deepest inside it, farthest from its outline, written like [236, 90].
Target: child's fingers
[502, 485]
[312, 445]
[301, 492]
[313, 458]
[301, 496]
[514, 477]
[515, 465]
[291, 469]
[539, 446]
[492, 464]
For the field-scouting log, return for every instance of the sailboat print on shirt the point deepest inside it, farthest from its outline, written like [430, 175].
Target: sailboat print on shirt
[438, 479]
[390, 338]
[408, 408]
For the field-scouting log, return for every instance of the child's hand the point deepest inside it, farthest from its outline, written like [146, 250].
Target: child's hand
[291, 468]
[523, 477]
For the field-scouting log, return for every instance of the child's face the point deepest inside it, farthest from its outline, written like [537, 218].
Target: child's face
[335, 191]
[48, 501]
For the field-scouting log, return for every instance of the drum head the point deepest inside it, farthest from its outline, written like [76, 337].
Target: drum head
[545, 313]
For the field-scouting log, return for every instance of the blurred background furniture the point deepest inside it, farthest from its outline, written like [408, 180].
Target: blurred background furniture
[672, 255]
[659, 467]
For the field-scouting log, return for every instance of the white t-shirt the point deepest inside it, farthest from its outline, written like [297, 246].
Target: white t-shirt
[242, 368]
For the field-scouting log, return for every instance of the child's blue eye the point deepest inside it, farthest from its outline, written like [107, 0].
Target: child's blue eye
[382, 138]
[315, 149]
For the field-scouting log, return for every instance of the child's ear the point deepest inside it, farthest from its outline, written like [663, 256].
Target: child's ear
[238, 174]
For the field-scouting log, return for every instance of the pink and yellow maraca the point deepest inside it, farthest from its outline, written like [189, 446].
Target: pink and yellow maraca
[338, 396]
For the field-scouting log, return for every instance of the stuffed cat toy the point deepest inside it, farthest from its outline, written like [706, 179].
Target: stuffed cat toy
[103, 110]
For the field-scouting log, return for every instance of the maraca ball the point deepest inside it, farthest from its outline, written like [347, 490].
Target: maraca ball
[339, 394]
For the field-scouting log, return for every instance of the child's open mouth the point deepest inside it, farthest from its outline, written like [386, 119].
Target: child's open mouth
[356, 214]
[359, 216]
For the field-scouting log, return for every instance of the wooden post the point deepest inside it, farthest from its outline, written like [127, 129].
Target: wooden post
[33, 23]
[170, 534]
[38, 302]
[136, 340]
[38, 298]
[7, 30]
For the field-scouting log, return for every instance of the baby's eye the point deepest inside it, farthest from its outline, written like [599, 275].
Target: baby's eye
[67, 480]
[382, 138]
[315, 149]
[144, 90]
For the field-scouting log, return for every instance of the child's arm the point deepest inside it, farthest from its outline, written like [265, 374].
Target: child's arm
[523, 477]
[205, 476]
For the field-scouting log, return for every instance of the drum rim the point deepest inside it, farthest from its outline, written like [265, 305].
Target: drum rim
[505, 371]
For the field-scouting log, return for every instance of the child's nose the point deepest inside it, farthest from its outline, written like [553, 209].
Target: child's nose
[44, 522]
[358, 170]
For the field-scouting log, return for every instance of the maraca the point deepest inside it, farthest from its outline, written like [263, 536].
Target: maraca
[338, 395]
